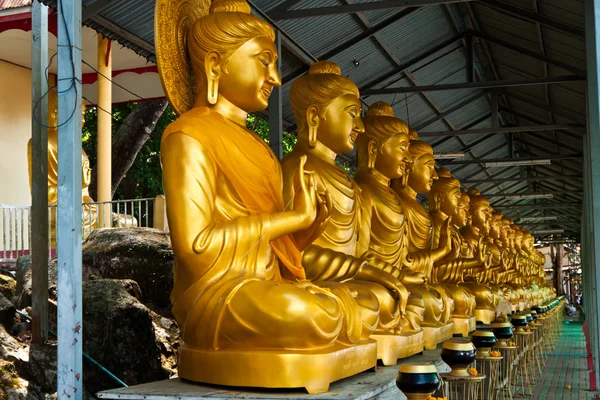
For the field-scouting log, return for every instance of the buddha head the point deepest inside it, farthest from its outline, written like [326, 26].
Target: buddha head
[518, 238]
[496, 225]
[481, 211]
[413, 134]
[327, 108]
[512, 234]
[528, 242]
[462, 216]
[233, 57]
[444, 195]
[384, 145]
[422, 172]
[504, 231]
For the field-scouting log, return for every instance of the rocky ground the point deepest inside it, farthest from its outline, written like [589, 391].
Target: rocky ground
[127, 324]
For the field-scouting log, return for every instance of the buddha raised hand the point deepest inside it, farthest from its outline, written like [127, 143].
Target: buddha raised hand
[444, 199]
[327, 108]
[231, 232]
[438, 302]
[475, 233]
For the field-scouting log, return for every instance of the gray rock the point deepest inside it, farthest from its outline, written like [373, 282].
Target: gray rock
[42, 367]
[141, 254]
[118, 332]
[7, 312]
[11, 350]
[8, 286]
[22, 297]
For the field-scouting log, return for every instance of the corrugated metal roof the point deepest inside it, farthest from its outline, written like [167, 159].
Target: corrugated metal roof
[7, 4]
[410, 35]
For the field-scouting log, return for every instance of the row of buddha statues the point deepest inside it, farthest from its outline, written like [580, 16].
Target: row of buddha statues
[296, 274]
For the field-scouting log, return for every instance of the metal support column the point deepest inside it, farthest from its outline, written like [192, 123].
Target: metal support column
[276, 110]
[39, 172]
[592, 168]
[69, 367]
[104, 141]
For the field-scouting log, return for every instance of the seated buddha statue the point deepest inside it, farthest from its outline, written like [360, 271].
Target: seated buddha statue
[444, 198]
[475, 234]
[327, 106]
[504, 277]
[241, 296]
[439, 304]
[89, 211]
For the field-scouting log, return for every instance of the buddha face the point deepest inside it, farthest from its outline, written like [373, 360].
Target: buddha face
[423, 173]
[461, 217]
[495, 226]
[248, 77]
[340, 123]
[450, 201]
[393, 156]
[481, 217]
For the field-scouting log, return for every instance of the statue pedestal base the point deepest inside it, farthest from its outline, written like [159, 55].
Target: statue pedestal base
[313, 370]
[464, 325]
[364, 386]
[484, 316]
[432, 336]
[392, 347]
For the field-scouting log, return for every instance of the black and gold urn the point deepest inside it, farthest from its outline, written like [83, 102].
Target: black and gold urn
[418, 381]
[503, 332]
[483, 341]
[459, 354]
[519, 322]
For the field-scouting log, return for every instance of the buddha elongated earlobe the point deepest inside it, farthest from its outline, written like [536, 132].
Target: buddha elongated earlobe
[213, 72]
[312, 118]
[372, 155]
[212, 93]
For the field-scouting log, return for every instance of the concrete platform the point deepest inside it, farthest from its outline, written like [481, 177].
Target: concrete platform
[367, 385]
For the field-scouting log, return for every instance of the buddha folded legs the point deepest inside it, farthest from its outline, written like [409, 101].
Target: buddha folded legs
[240, 292]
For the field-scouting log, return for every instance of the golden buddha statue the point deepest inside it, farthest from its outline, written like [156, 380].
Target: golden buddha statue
[89, 216]
[505, 276]
[327, 110]
[439, 304]
[382, 156]
[444, 198]
[247, 314]
[475, 235]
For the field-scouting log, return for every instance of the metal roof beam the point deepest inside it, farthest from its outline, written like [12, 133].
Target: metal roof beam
[509, 9]
[352, 41]
[539, 121]
[540, 206]
[549, 157]
[413, 61]
[96, 7]
[530, 128]
[450, 110]
[556, 192]
[523, 179]
[530, 53]
[118, 32]
[545, 107]
[356, 8]
[476, 85]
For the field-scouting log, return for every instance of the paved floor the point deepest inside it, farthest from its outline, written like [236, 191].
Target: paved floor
[566, 366]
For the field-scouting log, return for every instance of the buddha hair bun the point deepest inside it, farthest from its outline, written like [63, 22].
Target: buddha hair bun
[325, 67]
[240, 6]
[380, 109]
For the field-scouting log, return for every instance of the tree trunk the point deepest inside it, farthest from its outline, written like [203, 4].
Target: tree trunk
[134, 132]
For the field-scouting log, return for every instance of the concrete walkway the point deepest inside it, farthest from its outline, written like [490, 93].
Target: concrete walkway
[566, 366]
